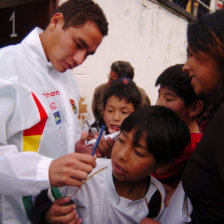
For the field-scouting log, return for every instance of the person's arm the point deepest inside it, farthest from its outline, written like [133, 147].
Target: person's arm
[23, 173]
[27, 173]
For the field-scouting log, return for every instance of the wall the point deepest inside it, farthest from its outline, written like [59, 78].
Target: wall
[142, 32]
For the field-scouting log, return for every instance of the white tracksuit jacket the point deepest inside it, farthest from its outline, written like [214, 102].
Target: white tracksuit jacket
[38, 122]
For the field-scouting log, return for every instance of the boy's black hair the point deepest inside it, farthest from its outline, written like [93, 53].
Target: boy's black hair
[166, 134]
[178, 81]
[78, 12]
[124, 89]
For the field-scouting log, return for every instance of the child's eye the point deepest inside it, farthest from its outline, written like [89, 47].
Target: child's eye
[139, 154]
[120, 140]
[169, 100]
[124, 112]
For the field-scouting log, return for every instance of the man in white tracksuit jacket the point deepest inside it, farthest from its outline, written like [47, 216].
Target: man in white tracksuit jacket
[39, 103]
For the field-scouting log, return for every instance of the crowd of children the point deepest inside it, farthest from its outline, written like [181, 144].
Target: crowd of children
[121, 189]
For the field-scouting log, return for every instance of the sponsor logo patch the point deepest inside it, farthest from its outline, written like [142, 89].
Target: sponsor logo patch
[57, 117]
[74, 107]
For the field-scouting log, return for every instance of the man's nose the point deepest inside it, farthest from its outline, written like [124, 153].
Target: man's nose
[79, 57]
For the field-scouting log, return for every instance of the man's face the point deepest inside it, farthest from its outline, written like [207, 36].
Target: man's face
[112, 77]
[68, 48]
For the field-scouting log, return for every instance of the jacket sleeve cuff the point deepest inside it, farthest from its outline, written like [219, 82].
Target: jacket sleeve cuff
[43, 172]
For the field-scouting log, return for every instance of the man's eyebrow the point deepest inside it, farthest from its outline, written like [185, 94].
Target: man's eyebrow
[83, 43]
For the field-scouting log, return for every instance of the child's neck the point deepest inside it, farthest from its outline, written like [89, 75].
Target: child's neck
[193, 127]
[132, 190]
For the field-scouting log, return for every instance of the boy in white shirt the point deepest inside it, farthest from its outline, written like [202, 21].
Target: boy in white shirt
[121, 190]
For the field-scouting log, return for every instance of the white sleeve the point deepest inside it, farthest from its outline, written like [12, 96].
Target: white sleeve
[23, 173]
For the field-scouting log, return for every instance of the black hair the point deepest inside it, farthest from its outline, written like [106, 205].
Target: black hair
[166, 134]
[78, 12]
[175, 79]
[123, 69]
[124, 89]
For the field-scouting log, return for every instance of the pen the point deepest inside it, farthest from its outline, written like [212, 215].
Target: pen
[113, 136]
[98, 140]
[90, 128]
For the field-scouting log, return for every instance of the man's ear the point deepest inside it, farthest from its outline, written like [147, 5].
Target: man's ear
[196, 108]
[57, 18]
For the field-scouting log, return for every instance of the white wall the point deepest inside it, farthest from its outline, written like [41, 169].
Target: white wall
[142, 32]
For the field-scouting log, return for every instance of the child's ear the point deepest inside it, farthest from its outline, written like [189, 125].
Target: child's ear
[197, 108]
[159, 169]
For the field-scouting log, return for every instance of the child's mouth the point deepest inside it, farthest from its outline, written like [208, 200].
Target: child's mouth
[114, 128]
[118, 169]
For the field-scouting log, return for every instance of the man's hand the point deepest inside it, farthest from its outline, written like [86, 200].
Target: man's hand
[61, 213]
[80, 145]
[71, 169]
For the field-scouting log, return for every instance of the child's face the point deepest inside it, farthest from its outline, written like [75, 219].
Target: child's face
[169, 98]
[131, 162]
[115, 112]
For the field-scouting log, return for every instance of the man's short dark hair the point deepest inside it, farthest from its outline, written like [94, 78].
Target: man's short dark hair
[123, 69]
[78, 12]
[166, 134]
